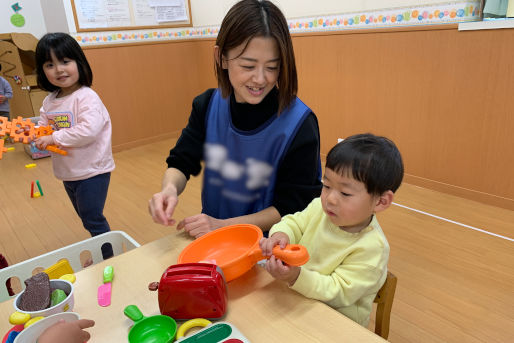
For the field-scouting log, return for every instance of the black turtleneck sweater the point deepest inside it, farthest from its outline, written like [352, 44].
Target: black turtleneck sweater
[296, 183]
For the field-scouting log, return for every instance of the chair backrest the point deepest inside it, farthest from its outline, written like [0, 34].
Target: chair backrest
[384, 300]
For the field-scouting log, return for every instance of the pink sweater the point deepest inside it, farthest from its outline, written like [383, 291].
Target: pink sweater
[83, 129]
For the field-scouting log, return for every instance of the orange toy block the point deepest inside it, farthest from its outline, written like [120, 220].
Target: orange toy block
[2, 149]
[44, 131]
[5, 126]
[55, 149]
[20, 123]
[29, 133]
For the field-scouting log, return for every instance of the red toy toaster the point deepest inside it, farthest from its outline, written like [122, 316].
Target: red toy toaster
[193, 290]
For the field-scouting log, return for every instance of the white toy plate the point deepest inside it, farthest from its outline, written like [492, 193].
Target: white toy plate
[30, 334]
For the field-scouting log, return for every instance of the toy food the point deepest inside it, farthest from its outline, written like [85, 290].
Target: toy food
[36, 296]
[57, 297]
[21, 316]
[105, 290]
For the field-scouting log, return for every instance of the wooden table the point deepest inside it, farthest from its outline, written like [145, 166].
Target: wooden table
[263, 309]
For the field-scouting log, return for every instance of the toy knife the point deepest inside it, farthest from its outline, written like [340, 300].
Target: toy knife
[104, 291]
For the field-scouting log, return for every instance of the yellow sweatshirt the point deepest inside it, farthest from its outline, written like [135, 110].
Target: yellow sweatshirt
[345, 270]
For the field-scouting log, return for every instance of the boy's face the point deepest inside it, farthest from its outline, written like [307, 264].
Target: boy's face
[346, 201]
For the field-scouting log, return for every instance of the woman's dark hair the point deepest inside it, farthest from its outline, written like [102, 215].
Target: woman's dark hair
[248, 19]
[63, 46]
[372, 160]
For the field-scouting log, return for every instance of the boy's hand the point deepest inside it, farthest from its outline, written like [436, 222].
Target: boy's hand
[267, 244]
[281, 271]
[44, 141]
[2, 99]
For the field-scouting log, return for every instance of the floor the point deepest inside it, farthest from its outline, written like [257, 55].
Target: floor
[455, 282]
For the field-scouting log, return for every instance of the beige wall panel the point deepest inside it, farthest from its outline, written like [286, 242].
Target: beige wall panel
[149, 89]
[442, 95]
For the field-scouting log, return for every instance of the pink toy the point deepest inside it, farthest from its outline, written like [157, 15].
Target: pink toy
[104, 294]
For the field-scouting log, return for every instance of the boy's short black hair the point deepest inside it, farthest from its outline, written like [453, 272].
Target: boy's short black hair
[63, 46]
[372, 160]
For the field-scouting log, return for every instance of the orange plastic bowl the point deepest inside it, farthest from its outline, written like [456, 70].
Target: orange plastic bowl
[236, 249]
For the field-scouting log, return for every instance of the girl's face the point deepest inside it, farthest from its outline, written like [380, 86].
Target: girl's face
[255, 72]
[62, 73]
[346, 201]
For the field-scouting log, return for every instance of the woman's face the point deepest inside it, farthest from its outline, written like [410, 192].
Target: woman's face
[253, 73]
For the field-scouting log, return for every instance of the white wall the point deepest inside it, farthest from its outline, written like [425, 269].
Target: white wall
[31, 11]
[204, 12]
[211, 12]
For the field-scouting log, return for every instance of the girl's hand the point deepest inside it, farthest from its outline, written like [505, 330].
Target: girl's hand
[281, 271]
[200, 224]
[67, 332]
[162, 205]
[267, 244]
[44, 141]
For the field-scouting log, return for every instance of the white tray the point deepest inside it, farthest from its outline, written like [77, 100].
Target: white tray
[119, 240]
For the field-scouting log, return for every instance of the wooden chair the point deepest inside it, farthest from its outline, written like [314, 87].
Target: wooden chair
[384, 300]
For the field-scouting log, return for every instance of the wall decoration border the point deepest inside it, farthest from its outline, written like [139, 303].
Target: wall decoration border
[444, 13]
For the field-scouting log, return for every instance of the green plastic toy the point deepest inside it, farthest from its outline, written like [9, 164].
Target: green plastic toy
[108, 274]
[57, 297]
[158, 328]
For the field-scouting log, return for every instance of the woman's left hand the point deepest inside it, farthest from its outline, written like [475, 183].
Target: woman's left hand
[200, 224]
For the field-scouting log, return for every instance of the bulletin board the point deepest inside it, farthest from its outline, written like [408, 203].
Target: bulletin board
[101, 15]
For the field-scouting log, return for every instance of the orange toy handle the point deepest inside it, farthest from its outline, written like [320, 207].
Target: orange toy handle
[55, 149]
[292, 254]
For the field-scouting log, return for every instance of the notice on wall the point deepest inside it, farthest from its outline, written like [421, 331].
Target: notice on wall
[130, 14]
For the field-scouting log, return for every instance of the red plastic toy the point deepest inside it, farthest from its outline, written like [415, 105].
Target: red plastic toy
[193, 290]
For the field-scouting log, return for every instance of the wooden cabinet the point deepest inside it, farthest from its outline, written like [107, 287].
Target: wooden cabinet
[17, 56]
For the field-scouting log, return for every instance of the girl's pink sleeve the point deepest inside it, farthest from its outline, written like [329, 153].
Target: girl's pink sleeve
[43, 119]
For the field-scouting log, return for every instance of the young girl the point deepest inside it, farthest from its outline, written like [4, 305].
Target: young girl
[259, 142]
[83, 129]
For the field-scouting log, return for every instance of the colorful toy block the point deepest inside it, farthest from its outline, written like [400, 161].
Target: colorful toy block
[23, 131]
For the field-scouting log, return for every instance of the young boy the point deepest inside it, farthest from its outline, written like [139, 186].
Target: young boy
[5, 95]
[348, 250]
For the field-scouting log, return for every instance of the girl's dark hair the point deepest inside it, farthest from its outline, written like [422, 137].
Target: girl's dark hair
[63, 46]
[372, 160]
[248, 19]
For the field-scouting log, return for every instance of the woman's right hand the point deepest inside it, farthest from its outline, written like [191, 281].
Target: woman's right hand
[162, 205]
